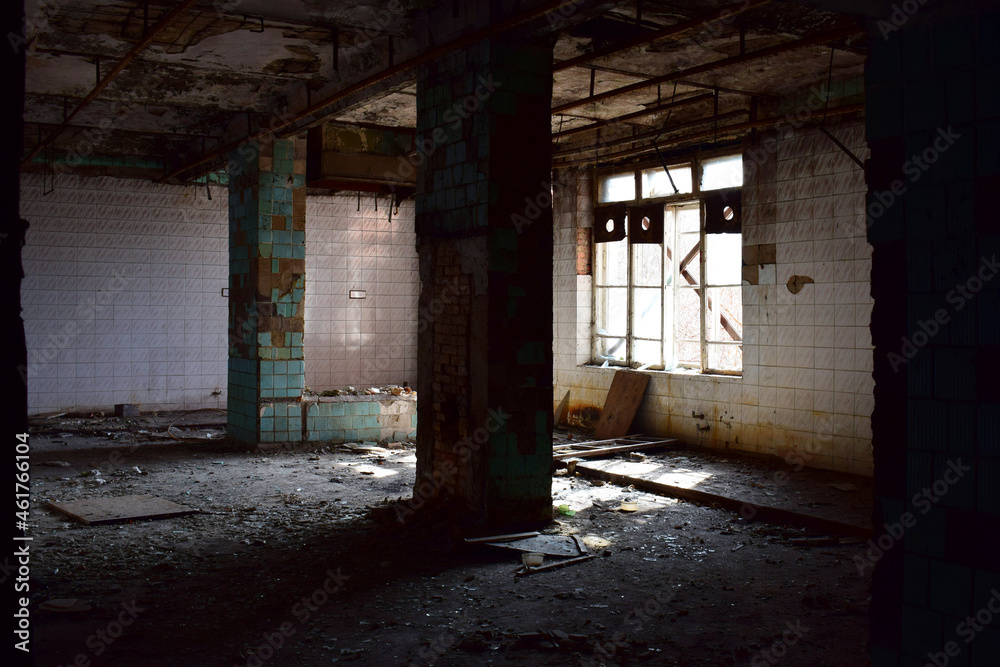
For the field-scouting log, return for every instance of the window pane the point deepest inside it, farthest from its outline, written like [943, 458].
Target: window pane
[656, 184]
[648, 352]
[688, 261]
[721, 173]
[689, 219]
[647, 313]
[725, 314]
[612, 311]
[612, 263]
[689, 353]
[725, 357]
[688, 317]
[648, 263]
[724, 259]
[617, 188]
[610, 349]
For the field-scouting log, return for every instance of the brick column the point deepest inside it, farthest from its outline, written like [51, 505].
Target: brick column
[484, 236]
[267, 212]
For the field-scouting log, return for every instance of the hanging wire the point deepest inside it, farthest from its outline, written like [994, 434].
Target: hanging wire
[829, 91]
[657, 148]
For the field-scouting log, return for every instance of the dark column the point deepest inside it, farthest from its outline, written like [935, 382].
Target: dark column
[933, 116]
[484, 236]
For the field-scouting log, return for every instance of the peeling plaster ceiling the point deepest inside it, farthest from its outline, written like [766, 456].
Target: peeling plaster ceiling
[226, 64]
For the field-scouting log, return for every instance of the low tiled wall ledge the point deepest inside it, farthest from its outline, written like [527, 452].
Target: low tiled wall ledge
[378, 417]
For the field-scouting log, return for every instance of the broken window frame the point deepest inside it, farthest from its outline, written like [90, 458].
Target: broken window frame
[669, 326]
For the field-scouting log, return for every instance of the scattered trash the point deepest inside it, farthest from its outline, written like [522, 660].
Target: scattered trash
[629, 506]
[550, 545]
[522, 571]
[54, 464]
[564, 510]
[637, 457]
[532, 559]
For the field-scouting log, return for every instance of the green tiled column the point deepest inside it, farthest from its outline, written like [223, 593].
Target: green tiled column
[267, 209]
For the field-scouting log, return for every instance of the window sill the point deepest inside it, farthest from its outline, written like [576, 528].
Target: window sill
[681, 372]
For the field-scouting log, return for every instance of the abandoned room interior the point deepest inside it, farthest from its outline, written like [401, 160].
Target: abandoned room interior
[516, 332]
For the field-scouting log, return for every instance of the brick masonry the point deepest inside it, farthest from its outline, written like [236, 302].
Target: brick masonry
[484, 238]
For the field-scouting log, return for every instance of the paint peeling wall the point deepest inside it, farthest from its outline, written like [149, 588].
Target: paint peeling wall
[806, 384]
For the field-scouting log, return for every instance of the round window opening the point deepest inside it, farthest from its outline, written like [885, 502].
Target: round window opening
[728, 213]
[645, 224]
[610, 225]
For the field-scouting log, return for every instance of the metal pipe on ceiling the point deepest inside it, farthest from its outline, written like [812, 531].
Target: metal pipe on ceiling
[637, 114]
[577, 150]
[724, 130]
[778, 49]
[676, 29]
[146, 40]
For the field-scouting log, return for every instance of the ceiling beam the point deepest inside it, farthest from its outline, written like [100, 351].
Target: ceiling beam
[670, 31]
[692, 84]
[317, 110]
[707, 134]
[577, 150]
[147, 39]
[704, 97]
[822, 38]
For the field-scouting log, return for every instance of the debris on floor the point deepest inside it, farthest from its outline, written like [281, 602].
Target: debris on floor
[119, 509]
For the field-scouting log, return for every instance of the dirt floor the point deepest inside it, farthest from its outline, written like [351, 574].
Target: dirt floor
[297, 558]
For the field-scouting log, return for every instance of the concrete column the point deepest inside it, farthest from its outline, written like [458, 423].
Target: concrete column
[933, 125]
[484, 236]
[267, 213]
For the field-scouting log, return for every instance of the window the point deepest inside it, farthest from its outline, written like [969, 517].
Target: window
[667, 292]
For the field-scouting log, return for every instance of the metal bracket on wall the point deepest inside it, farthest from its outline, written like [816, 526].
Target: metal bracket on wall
[248, 17]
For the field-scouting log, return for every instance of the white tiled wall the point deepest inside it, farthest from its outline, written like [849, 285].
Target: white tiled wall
[122, 293]
[367, 342]
[807, 383]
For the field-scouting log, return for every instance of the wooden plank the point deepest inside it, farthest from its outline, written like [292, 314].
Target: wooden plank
[100, 511]
[617, 449]
[748, 511]
[621, 404]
